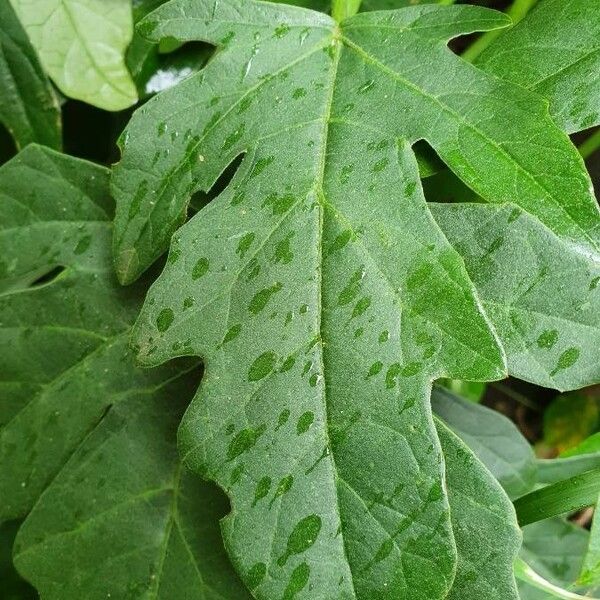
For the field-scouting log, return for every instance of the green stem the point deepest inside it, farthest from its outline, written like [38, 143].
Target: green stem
[342, 9]
[525, 573]
[516, 12]
[560, 498]
[590, 145]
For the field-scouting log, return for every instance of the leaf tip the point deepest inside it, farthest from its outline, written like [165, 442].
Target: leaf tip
[126, 265]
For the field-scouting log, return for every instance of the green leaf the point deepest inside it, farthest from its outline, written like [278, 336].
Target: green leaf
[81, 44]
[126, 517]
[531, 163]
[317, 287]
[482, 512]
[28, 106]
[554, 549]
[557, 469]
[555, 52]
[549, 329]
[469, 390]
[87, 438]
[492, 437]
[559, 498]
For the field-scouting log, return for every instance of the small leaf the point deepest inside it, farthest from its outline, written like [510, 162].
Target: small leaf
[494, 439]
[81, 44]
[554, 549]
[591, 445]
[28, 106]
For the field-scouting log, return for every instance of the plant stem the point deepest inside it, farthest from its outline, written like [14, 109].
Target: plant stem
[525, 573]
[590, 145]
[342, 9]
[516, 12]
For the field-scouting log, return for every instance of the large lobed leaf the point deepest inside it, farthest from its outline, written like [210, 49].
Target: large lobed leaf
[87, 439]
[397, 57]
[295, 280]
[81, 44]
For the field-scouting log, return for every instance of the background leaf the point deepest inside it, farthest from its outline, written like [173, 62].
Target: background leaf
[81, 44]
[493, 438]
[28, 107]
[554, 548]
[87, 438]
[123, 518]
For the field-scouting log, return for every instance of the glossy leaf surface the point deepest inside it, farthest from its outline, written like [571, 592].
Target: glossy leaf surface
[555, 52]
[397, 54]
[285, 332]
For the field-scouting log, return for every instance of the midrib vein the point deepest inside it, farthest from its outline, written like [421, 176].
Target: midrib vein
[318, 188]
